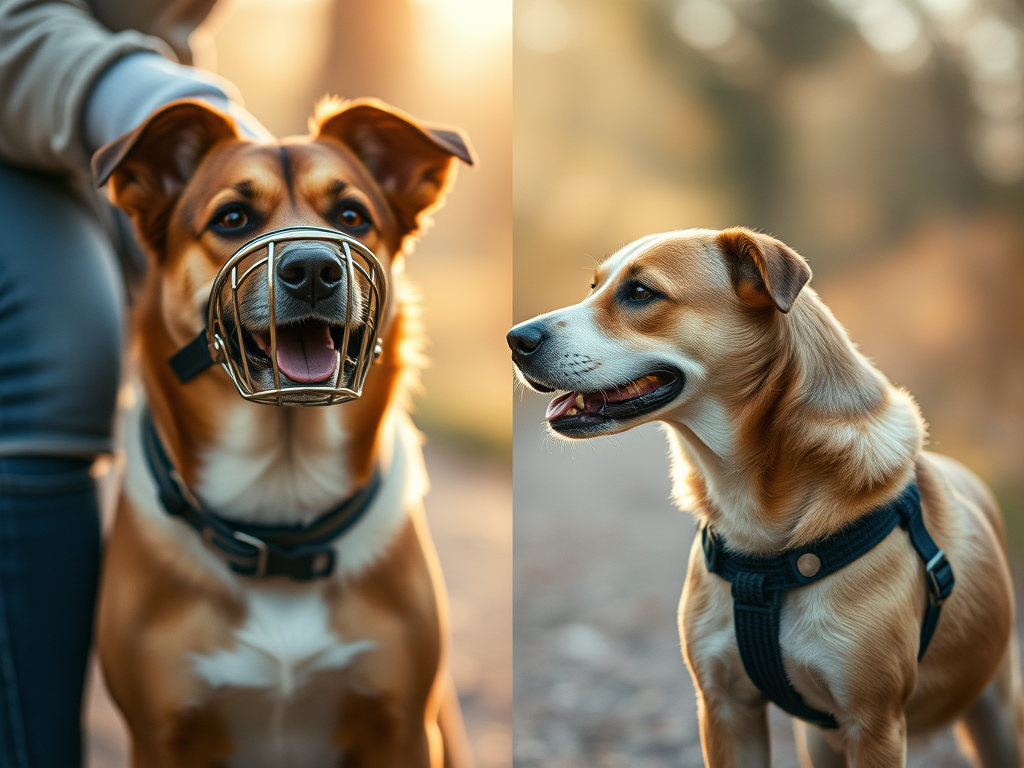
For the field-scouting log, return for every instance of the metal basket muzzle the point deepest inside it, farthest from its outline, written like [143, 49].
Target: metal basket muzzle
[248, 286]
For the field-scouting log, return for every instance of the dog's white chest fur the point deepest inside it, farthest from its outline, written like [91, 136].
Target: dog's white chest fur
[271, 462]
[277, 685]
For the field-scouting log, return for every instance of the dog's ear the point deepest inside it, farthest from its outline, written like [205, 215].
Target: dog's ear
[764, 271]
[148, 168]
[413, 162]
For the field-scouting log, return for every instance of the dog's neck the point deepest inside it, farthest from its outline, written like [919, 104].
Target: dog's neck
[280, 465]
[268, 464]
[814, 439]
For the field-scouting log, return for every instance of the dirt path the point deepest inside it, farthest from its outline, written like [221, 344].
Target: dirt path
[470, 511]
[600, 558]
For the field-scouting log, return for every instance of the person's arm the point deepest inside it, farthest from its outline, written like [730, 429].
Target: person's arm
[135, 86]
[67, 82]
[51, 52]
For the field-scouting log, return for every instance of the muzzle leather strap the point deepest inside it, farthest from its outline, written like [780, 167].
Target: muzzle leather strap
[758, 586]
[300, 552]
[192, 359]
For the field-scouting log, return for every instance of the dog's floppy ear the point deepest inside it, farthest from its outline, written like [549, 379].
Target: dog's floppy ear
[413, 162]
[148, 168]
[764, 270]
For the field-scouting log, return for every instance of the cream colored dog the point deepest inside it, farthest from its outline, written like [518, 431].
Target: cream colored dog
[782, 433]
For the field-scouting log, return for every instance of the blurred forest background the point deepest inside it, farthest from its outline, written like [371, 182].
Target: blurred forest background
[884, 140]
[446, 61]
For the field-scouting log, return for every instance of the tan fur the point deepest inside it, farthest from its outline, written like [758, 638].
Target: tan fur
[161, 605]
[782, 434]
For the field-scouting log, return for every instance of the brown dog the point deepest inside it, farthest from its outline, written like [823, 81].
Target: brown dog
[783, 434]
[213, 668]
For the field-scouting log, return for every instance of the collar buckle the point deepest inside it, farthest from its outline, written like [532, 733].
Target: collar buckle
[260, 545]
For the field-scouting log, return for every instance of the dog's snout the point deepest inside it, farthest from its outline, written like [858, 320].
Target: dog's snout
[310, 274]
[525, 339]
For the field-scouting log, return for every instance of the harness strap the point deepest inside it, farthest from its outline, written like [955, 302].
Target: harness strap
[937, 569]
[758, 584]
[301, 552]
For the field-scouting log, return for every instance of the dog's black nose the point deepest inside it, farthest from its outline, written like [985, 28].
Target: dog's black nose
[524, 339]
[310, 274]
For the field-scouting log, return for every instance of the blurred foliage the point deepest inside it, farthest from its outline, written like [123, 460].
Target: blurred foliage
[902, 139]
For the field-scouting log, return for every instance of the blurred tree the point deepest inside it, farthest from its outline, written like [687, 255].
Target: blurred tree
[371, 49]
[911, 138]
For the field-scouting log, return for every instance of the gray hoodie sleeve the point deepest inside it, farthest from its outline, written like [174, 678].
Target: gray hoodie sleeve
[51, 54]
[134, 87]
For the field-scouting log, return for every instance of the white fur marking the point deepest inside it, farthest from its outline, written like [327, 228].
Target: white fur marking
[275, 685]
[285, 639]
[275, 465]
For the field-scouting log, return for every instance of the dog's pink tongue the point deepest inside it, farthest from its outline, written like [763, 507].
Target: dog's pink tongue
[306, 353]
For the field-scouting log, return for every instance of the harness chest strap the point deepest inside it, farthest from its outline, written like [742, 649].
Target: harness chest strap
[759, 583]
[301, 552]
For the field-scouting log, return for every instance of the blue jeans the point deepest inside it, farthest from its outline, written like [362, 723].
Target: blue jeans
[61, 305]
[49, 562]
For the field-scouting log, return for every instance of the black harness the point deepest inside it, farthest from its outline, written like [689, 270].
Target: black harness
[758, 584]
[301, 552]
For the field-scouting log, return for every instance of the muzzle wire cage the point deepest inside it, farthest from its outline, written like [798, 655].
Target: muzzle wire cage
[238, 304]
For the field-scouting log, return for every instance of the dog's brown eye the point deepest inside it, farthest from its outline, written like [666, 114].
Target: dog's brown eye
[350, 217]
[232, 219]
[640, 293]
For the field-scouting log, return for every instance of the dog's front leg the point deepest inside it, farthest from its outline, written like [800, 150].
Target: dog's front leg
[733, 713]
[878, 744]
[457, 753]
[733, 734]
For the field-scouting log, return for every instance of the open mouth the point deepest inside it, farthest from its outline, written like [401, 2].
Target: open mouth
[308, 352]
[581, 412]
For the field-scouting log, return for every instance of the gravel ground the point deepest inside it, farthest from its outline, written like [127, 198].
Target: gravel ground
[600, 558]
[470, 511]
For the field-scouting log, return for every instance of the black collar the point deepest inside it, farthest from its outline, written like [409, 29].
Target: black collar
[301, 552]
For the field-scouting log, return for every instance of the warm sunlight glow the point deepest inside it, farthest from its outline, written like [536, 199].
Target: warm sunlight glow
[471, 18]
[273, 51]
[456, 32]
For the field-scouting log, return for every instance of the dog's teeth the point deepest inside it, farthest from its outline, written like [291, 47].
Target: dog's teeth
[579, 402]
[571, 412]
